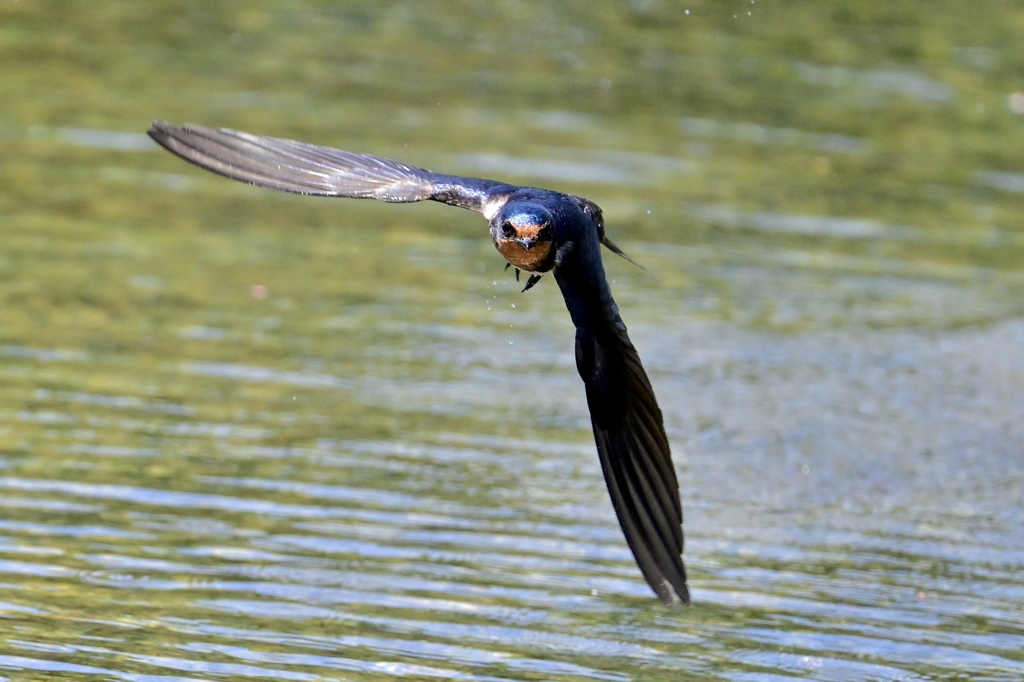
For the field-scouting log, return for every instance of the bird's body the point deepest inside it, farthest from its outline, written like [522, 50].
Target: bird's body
[535, 230]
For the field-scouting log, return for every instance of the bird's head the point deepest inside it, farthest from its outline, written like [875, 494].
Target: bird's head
[523, 233]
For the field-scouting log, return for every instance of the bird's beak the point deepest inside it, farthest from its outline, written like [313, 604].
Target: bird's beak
[527, 242]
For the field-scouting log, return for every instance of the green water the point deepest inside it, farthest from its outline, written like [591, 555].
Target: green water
[245, 435]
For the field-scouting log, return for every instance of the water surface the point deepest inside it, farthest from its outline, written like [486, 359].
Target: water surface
[246, 435]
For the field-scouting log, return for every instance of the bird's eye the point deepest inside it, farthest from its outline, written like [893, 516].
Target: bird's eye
[545, 233]
[507, 230]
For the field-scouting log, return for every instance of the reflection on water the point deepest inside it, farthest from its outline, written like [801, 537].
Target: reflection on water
[247, 435]
[604, 167]
[755, 133]
[909, 83]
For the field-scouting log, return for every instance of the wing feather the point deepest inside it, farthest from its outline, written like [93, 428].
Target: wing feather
[635, 456]
[304, 168]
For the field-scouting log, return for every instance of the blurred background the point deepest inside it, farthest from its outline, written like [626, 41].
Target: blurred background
[253, 435]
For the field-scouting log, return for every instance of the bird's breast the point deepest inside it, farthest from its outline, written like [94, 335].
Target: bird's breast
[538, 258]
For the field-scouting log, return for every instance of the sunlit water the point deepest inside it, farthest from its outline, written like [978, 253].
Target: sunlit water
[256, 436]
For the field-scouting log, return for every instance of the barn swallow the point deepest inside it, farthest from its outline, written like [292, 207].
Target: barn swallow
[536, 231]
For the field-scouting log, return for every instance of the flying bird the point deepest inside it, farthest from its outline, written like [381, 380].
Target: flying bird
[537, 231]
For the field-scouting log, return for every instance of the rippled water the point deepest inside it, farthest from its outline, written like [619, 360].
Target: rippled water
[246, 435]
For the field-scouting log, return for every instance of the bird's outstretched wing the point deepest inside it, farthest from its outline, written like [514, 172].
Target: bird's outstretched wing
[634, 453]
[304, 168]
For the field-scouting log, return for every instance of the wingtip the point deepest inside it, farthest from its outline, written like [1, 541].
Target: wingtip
[158, 130]
[672, 598]
[163, 132]
[669, 584]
